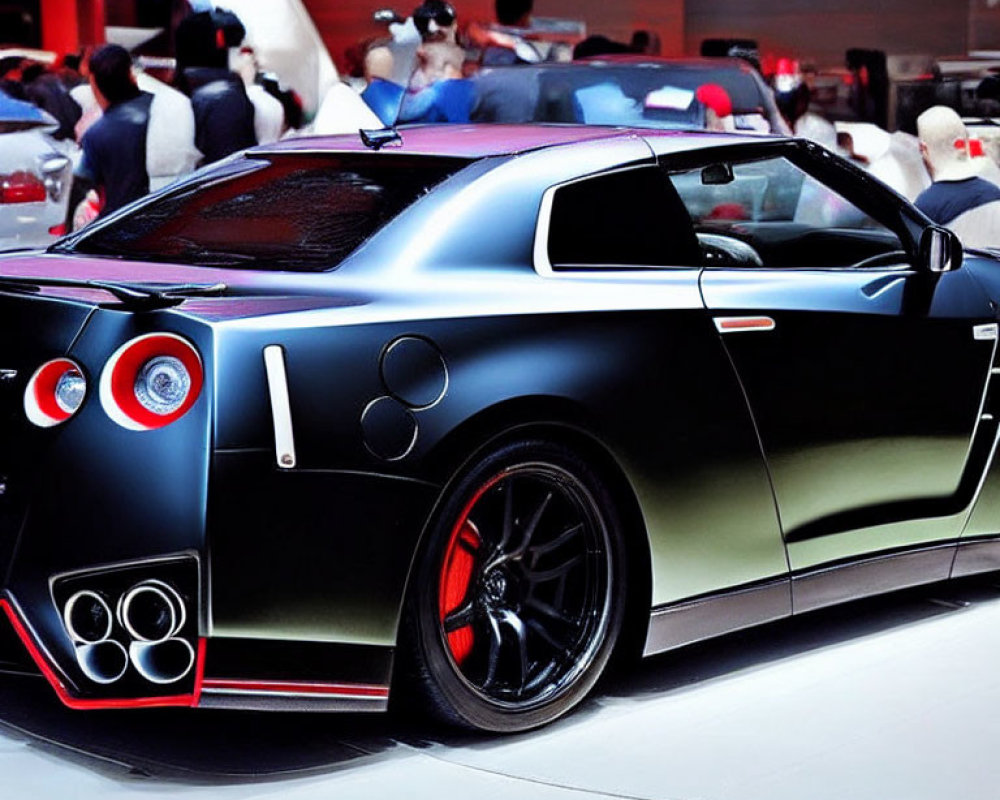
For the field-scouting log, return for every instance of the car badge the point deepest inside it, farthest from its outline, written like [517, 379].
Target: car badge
[7, 375]
[985, 332]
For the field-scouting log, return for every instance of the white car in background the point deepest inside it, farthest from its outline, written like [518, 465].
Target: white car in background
[35, 177]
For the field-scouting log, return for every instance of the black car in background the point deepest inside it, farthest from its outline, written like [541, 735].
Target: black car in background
[630, 90]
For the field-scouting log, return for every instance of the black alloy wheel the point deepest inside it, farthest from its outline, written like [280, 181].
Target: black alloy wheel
[519, 595]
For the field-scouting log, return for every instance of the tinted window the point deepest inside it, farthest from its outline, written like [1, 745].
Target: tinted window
[292, 213]
[789, 217]
[628, 218]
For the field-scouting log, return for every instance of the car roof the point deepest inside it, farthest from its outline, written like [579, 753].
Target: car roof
[483, 140]
[460, 141]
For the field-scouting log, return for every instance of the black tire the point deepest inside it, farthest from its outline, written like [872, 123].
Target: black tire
[518, 594]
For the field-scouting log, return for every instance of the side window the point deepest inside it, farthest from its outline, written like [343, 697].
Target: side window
[631, 218]
[771, 213]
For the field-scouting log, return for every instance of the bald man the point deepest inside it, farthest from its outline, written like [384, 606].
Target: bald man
[958, 198]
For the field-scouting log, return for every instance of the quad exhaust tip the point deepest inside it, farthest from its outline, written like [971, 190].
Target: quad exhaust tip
[102, 662]
[87, 618]
[151, 612]
[162, 662]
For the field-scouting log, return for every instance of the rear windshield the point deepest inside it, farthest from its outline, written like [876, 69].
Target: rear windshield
[287, 212]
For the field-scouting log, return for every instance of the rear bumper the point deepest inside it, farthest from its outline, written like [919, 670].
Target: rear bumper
[214, 690]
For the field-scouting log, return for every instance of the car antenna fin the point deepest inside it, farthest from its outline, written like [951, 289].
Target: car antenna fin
[377, 139]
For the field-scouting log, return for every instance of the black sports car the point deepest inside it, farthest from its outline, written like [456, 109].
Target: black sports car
[465, 418]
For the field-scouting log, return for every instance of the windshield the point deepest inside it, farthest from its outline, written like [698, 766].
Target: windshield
[635, 95]
[301, 213]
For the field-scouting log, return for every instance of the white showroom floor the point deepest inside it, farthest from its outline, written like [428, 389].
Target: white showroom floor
[895, 698]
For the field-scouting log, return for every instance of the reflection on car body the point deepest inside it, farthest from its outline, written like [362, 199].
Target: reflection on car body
[462, 418]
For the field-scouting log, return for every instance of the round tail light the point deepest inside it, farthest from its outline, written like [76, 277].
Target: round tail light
[54, 393]
[151, 381]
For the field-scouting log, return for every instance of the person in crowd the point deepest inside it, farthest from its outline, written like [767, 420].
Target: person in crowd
[646, 43]
[291, 101]
[46, 90]
[10, 77]
[718, 107]
[382, 94]
[599, 45]
[958, 198]
[171, 152]
[69, 68]
[170, 148]
[793, 98]
[224, 114]
[437, 21]
[269, 113]
[504, 46]
[445, 95]
[114, 148]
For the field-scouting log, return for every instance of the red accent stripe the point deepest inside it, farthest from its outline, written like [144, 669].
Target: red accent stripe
[292, 687]
[62, 692]
[746, 324]
[199, 672]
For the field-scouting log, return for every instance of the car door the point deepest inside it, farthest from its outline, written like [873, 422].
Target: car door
[674, 410]
[866, 376]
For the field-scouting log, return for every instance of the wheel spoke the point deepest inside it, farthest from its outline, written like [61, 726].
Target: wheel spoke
[460, 617]
[561, 571]
[540, 550]
[544, 608]
[508, 516]
[493, 658]
[543, 632]
[531, 527]
[513, 621]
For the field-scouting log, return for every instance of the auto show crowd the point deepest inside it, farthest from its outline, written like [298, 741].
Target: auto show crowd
[133, 130]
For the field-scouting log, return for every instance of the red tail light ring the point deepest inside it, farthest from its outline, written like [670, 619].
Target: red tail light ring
[151, 381]
[54, 393]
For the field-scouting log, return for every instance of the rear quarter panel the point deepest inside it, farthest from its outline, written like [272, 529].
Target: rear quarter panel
[324, 550]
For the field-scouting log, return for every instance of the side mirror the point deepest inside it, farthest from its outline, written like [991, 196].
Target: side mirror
[940, 250]
[717, 175]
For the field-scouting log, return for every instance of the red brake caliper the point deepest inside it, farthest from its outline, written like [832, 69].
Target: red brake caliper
[456, 575]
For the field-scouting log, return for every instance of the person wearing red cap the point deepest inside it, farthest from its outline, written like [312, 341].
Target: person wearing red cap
[718, 107]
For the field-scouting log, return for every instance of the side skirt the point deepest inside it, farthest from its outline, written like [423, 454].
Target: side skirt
[852, 579]
[266, 675]
[976, 556]
[715, 614]
[292, 696]
[711, 615]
